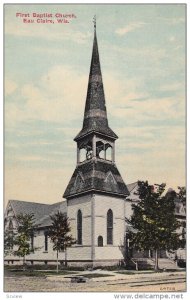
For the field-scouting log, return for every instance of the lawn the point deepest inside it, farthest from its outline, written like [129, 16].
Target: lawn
[38, 273]
[127, 272]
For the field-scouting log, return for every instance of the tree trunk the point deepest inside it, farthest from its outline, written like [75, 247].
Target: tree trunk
[65, 257]
[57, 262]
[24, 263]
[156, 260]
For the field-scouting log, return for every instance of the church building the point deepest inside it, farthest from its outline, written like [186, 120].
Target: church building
[97, 200]
[96, 192]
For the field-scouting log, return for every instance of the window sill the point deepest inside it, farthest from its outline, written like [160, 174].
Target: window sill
[45, 251]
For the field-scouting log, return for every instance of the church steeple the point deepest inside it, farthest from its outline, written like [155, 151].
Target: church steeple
[95, 114]
[96, 170]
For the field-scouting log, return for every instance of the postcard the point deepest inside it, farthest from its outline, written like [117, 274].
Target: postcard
[95, 149]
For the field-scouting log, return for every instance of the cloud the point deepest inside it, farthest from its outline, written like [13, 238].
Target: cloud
[59, 96]
[172, 39]
[10, 86]
[52, 98]
[173, 87]
[159, 157]
[130, 27]
[129, 99]
[31, 158]
[23, 184]
[172, 20]
[43, 31]
[164, 108]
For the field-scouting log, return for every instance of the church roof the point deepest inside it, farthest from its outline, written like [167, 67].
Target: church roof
[41, 211]
[131, 186]
[96, 175]
[95, 114]
[46, 219]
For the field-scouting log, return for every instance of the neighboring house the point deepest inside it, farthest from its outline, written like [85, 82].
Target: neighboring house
[97, 199]
[180, 213]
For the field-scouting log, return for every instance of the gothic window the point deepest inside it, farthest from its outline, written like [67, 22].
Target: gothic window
[10, 225]
[110, 227]
[46, 241]
[10, 235]
[100, 241]
[79, 227]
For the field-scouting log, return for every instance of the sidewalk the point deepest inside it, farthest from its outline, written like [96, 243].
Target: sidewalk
[116, 276]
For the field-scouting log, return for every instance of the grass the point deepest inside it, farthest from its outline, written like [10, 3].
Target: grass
[110, 268]
[127, 272]
[43, 267]
[38, 273]
[43, 271]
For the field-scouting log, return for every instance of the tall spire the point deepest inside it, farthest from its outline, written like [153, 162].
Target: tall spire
[96, 170]
[94, 21]
[95, 114]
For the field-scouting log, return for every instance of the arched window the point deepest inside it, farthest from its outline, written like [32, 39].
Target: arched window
[110, 227]
[46, 241]
[100, 241]
[100, 150]
[108, 149]
[79, 227]
[5, 222]
[10, 225]
[82, 155]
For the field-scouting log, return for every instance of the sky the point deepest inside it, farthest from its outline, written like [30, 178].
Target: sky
[142, 55]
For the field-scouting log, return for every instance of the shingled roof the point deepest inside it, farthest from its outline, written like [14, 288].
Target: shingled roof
[95, 115]
[41, 211]
[46, 219]
[96, 175]
[131, 186]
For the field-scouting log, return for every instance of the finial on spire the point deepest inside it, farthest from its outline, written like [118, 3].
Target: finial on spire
[94, 21]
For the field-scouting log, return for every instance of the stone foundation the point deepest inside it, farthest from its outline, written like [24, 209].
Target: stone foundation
[70, 263]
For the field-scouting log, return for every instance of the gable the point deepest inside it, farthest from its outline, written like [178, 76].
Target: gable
[79, 181]
[41, 211]
[96, 175]
[110, 178]
[9, 211]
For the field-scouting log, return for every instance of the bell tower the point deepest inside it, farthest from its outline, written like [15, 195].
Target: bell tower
[96, 190]
[96, 139]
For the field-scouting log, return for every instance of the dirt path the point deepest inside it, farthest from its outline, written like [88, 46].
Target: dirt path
[162, 283]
